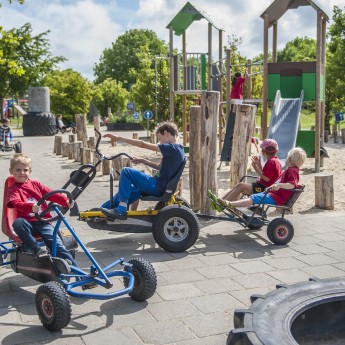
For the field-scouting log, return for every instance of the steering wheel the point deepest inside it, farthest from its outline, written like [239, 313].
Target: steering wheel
[51, 205]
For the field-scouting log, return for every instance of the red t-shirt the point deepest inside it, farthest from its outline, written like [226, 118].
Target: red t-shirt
[22, 196]
[237, 89]
[290, 175]
[272, 169]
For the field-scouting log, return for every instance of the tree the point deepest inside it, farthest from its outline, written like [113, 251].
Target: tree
[70, 93]
[110, 94]
[299, 49]
[116, 61]
[335, 87]
[24, 60]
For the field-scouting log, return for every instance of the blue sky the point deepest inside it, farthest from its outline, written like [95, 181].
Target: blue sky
[81, 29]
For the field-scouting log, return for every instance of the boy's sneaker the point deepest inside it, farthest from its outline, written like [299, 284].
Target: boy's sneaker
[113, 213]
[38, 252]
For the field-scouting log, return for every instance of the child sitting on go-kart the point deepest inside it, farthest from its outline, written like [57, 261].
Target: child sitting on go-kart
[279, 192]
[7, 130]
[23, 196]
[133, 183]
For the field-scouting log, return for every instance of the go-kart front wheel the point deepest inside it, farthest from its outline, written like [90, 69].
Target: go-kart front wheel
[53, 306]
[145, 280]
[175, 228]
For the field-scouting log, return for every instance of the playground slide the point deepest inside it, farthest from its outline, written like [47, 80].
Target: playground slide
[284, 123]
[20, 109]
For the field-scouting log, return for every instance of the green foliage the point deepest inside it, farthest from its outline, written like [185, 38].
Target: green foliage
[299, 49]
[70, 93]
[110, 94]
[24, 60]
[117, 61]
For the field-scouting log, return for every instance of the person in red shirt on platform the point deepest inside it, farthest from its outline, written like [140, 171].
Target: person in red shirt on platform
[23, 196]
[237, 82]
[279, 192]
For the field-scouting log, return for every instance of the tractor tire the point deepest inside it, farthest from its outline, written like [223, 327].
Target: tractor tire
[304, 313]
[53, 306]
[280, 231]
[175, 228]
[145, 279]
[39, 124]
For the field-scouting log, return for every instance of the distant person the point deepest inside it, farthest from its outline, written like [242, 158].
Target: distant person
[237, 83]
[62, 127]
[6, 131]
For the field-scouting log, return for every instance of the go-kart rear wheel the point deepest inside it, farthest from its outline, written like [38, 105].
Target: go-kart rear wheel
[179, 200]
[53, 306]
[145, 280]
[280, 231]
[175, 228]
[18, 147]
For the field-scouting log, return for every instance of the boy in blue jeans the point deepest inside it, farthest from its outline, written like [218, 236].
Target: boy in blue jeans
[133, 183]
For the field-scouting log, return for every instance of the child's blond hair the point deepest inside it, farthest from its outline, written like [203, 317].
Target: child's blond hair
[20, 158]
[296, 157]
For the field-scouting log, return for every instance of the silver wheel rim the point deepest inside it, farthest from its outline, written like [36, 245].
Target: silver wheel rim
[176, 229]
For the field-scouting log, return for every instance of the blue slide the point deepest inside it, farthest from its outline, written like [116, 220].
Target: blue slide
[284, 123]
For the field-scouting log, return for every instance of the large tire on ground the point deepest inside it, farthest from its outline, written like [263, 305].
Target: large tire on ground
[175, 228]
[53, 306]
[305, 313]
[280, 231]
[145, 280]
[39, 124]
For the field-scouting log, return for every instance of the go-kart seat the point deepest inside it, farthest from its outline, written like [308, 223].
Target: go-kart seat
[9, 215]
[170, 188]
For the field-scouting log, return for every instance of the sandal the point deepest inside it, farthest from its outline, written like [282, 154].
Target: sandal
[214, 201]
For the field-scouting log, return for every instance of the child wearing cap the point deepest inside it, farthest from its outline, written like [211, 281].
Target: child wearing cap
[279, 193]
[268, 174]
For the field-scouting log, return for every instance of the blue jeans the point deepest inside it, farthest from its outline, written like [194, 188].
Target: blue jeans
[26, 230]
[131, 186]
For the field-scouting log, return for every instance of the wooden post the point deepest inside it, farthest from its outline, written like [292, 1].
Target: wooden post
[58, 144]
[70, 147]
[117, 165]
[71, 138]
[91, 143]
[343, 135]
[325, 136]
[336, 137]
[65, 149]
[106, 167]
[209, 117]
[195, 160]
[81, 128]
[241, 142]
[152, 138]
[76, 151]
[324, 192]
[135, 135]
[86, 156]
[97, 122]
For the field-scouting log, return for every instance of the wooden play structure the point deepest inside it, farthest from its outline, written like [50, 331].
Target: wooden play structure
[293, 77]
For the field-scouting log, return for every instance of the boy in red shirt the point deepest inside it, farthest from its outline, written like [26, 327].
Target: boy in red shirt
[23, 195]
[279, 193]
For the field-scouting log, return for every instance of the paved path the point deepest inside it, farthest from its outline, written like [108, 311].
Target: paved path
[197, 290]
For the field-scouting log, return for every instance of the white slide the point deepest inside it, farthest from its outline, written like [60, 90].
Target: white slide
[284, 123]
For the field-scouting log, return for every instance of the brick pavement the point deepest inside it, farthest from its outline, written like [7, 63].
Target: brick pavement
[197, 290]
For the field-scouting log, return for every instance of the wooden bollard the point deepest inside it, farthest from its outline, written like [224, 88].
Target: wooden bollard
[343, 135]
[72, 138]
[65, 149]
[58, 144]
[324, 192]
[117, 165]
[336, 137]
[152, 138]
[76, 151]
[106, 167]
[91, 143]
[86, 155]
[70, 150]
[135, 135]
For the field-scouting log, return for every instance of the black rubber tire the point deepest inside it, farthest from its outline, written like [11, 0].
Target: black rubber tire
[291, 314]
[39, 124]
[253, 226]
[175, 228]
[280, 231]
[145, 279]
[74, 130]
[18, 147]
[53, 306]
[184, 202]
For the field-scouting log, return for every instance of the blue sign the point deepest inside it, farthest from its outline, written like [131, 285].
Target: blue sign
[339, 117]
[136, 115]
[130, 106]
[148, 114]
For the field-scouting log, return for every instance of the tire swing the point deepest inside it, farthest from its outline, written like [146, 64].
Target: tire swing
[311, 312]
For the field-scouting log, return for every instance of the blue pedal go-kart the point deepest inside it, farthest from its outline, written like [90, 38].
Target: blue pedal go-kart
[5, 132]
[60, 279]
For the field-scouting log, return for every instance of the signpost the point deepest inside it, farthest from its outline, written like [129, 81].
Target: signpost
[148, 116]
[136, 116]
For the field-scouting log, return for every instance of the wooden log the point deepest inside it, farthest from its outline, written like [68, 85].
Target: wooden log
[209, 119]
[195, 160]
[81, 129]
[106, 166]
[97, 122]
[99, 167]
[76, 151]
[58, 144]
[72, 138]
[65, 149]
[117, 165]
[86, 156]
[343, 135]
[324, 192]
[152, 138]
[70, 150]
[91, 143]
[241, 142]
[135, 135]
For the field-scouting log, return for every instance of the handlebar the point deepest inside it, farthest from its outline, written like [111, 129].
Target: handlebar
[101, 155]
